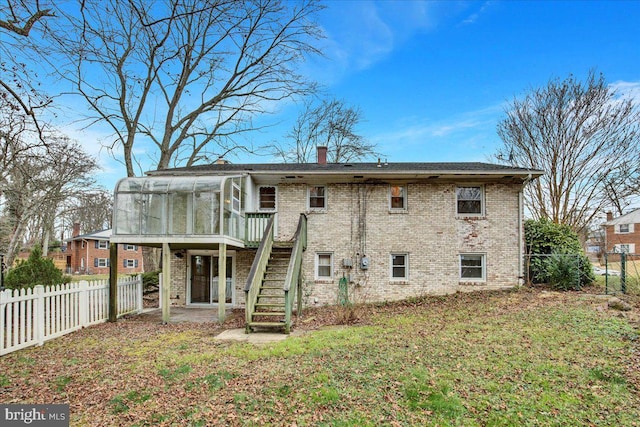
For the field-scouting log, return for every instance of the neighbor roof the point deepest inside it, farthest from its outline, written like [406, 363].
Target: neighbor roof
[632, 217]
[97, 235]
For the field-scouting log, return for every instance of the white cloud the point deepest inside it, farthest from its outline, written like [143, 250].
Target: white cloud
[469, 136]
[629, 90]
[471, 19]
[362, 33]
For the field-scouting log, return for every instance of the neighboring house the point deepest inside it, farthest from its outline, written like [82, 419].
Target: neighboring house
[594, 244]
[393, 230]
[89, 254]
[622, 234]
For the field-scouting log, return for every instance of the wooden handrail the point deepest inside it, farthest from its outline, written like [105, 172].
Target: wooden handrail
[258, 268]
[293, 272]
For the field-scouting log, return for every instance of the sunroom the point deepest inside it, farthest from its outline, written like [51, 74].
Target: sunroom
[192, 213]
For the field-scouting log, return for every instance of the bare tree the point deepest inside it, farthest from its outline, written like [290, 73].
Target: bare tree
[17, 20]
[331, 124]
[40, 181]
[582, 134]
[185, 76]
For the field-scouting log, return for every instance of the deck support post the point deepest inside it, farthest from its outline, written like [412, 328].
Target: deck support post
[222, 281]
[113, 282]
[166, 282]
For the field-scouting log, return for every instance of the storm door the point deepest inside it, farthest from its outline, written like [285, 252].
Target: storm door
[204, 279]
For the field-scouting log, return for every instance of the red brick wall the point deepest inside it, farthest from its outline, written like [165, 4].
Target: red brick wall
[614, 238]
[81, 259]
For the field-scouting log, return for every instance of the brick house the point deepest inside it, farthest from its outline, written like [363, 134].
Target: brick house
[89, 254]
[622, 234]
[388, 230]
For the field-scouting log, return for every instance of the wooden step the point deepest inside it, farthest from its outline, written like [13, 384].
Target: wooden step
[269, 313]
[267, 304]
[266, 324]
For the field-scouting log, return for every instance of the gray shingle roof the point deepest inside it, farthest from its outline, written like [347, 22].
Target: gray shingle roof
[350, 168]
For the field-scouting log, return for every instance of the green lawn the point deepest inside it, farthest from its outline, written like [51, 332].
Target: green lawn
[517, 358]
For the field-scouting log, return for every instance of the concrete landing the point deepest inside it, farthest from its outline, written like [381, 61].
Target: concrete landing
[253, 338]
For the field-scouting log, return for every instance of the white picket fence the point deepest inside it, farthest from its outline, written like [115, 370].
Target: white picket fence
[32, 316]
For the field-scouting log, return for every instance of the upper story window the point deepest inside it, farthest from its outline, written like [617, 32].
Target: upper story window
[470, 201]
[399, 266]
[398, 197]
[472, 267]
[267, 198]
[102, 244]
[235, 198]
[128, 247]
[624, 228]
[317, 197]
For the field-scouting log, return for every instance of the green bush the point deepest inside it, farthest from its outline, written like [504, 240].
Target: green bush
[36, 270]
[563, 271]
[555, 256]
[151, 279]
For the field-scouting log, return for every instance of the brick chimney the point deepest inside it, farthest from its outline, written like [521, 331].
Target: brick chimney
[609, 216]
[322, 155]
[76, 229]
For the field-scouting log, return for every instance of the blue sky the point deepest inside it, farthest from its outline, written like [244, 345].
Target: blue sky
[433, 78]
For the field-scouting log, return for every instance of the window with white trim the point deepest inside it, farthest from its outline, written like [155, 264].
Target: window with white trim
[397, 197]
[128, 247]
[324, 265]
[472, 267]
[267, 198]
[101, 262]
[628, 248]
[102, 244]
[624, 228]
[236, 205]
[470, 201]
[317, 197]
[399, 266]
[130, 263]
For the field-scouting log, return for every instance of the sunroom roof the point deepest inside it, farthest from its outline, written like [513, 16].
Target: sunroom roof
[170, 184]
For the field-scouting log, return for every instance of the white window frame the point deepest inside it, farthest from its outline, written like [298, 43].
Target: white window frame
[101, 246]
[405, 266]
[629, 248]
[236, 198]
[131, 263]
[628, 228]
[103, 262]
[403, 189]
[483, 267]
[324, 197]
[128, 247]
[275, 200]
[318, 265]
[482, 201]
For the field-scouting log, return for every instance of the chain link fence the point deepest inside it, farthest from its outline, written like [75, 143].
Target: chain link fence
[561, 271]
[620, 273]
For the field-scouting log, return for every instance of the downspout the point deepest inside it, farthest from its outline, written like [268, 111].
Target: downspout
[86, 263]
[521, 229]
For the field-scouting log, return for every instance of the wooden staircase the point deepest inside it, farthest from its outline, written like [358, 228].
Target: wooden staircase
[269, 309]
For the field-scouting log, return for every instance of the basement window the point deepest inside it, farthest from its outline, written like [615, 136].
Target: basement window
[324, 266]
[472, 267]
